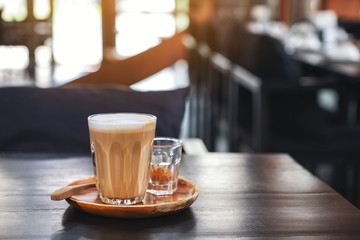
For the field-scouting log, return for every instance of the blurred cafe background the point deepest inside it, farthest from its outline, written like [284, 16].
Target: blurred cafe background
[265, 76]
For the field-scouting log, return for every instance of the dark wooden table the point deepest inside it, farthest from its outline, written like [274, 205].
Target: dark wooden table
[347, 69]
[249, 196]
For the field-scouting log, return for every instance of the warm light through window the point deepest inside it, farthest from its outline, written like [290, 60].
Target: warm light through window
[76, 42]
[42, 9]
[14, 10]
[141, 24]
[16, 57]
[155, 6]
[138, 32]
[77, 37]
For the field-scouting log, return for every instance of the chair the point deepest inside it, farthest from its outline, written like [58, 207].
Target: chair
[54, 120]
[209, 69]
[277, 111]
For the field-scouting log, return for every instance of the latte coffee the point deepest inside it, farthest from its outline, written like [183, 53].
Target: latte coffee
[121, 145]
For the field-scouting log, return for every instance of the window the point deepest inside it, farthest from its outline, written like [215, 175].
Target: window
[77, 32]
[141, 24]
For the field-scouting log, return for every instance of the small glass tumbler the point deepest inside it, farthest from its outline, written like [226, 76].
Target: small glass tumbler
[164, 166]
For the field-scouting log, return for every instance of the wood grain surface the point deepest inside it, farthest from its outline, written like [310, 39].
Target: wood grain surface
[241, 196]
[152, 206]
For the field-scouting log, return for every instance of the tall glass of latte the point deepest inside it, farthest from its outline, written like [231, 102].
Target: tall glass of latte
[121, 145]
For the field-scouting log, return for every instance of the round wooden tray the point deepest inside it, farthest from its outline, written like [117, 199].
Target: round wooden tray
[88, 201]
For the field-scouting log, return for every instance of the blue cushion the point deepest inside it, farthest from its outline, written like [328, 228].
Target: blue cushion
[55, 119]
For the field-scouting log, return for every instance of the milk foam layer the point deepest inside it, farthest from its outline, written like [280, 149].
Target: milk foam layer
[119, 120]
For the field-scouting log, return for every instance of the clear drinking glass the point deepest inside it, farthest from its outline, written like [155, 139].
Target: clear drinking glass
[164, 166]
[121, 145]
